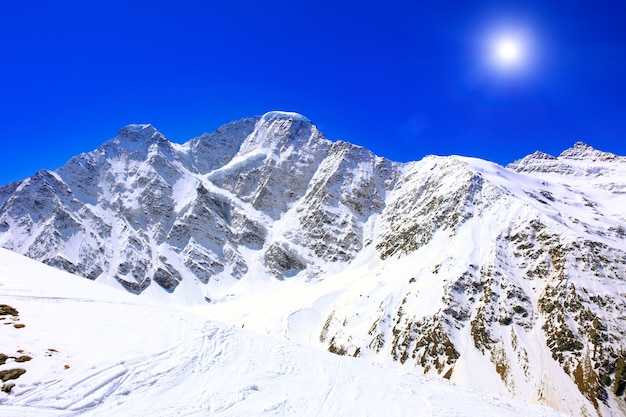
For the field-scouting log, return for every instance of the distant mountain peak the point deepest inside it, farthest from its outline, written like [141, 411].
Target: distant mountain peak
[533, 162]
[582, 151]
[577, 160]
[540, 155]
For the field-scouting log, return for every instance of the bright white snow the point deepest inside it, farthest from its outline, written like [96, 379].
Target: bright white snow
[98, 351]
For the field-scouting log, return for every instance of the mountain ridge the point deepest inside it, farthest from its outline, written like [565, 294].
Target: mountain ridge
[437, 264]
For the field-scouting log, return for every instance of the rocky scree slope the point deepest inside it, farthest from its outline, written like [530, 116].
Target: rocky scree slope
[510, 279]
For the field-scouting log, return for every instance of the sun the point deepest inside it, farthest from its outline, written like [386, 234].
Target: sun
[508, 51]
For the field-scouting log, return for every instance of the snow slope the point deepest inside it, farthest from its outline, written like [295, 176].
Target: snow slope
[97, 351]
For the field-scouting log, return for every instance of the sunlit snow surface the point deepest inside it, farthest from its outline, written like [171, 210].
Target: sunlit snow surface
[101, 352]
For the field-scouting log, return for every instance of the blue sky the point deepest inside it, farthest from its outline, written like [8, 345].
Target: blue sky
[402, 78]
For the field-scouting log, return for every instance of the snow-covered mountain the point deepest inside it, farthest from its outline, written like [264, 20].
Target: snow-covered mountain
[510, 280]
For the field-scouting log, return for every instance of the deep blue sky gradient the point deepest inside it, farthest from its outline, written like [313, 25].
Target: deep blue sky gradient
[402, 78]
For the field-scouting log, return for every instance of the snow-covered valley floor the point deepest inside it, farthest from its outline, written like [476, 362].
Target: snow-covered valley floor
[98, 351]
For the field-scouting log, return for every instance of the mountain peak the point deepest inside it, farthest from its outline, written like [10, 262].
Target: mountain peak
[542, 162]
[582, 151]
[138, 131]
[279, 130]
[274, 115]
[136, 138]
[534, 161]
[538, 155]
[581, 145]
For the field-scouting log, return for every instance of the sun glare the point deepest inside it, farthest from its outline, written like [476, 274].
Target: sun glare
[508, 51]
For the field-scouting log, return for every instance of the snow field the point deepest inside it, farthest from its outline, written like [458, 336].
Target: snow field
[133, 358]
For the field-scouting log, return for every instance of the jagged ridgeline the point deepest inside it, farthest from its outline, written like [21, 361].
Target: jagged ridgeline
[507, 279]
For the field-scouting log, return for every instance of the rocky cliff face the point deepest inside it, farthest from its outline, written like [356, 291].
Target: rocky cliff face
[510, 279]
